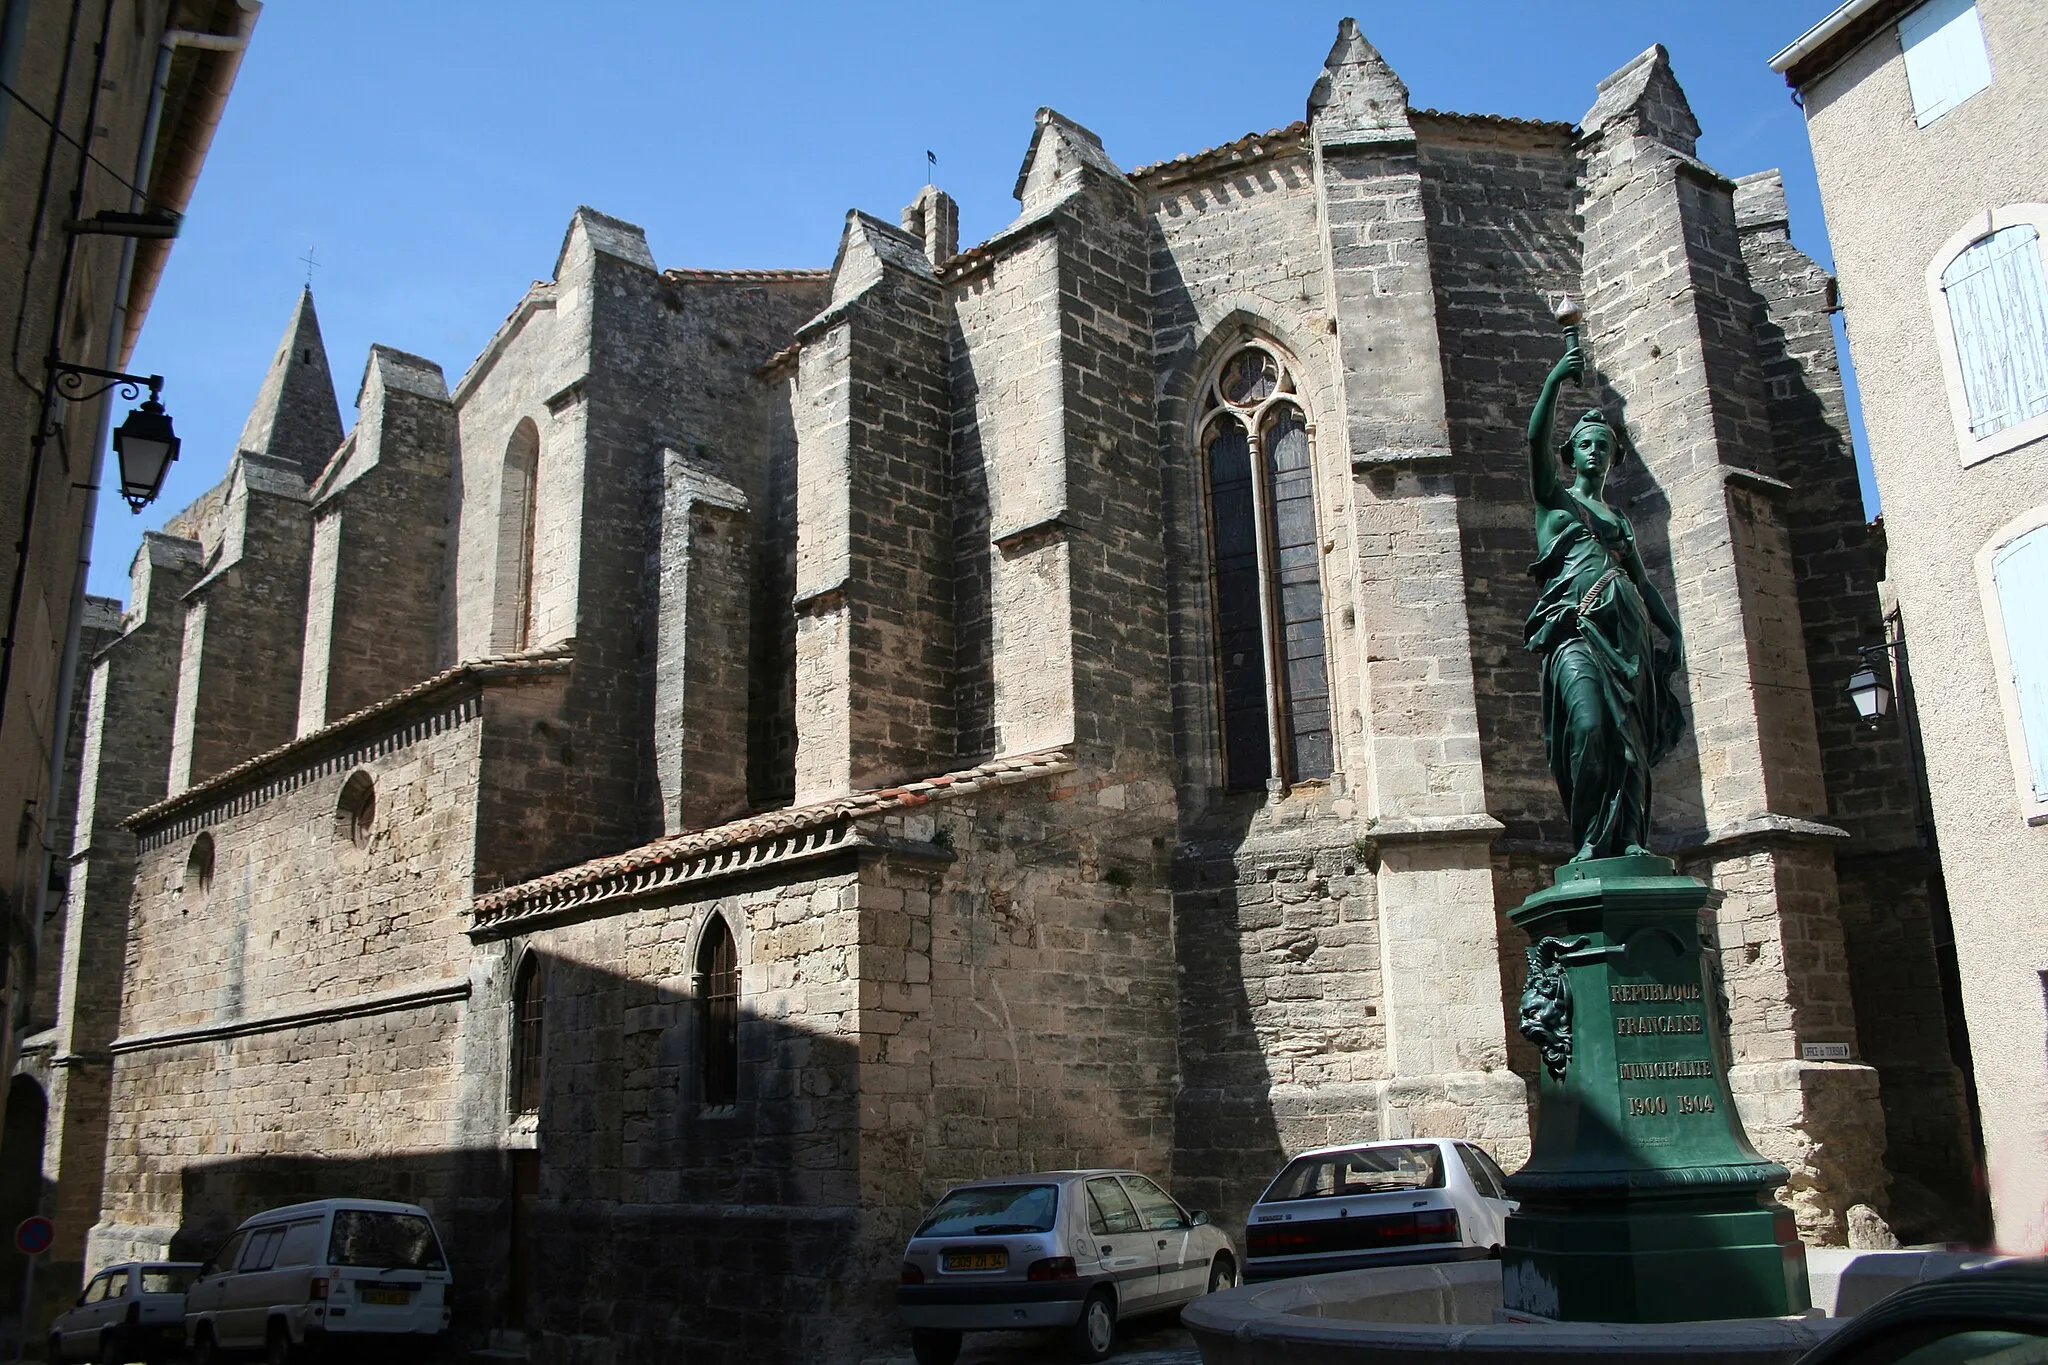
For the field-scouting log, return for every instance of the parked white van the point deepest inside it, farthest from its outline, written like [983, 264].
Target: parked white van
[295, 1279]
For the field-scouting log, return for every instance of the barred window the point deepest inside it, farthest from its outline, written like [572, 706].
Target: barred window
[529, 1040]
[718, 1016]
[1267, 560]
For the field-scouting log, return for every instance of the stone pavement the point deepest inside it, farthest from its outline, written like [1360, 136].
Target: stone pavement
[1149, 1341]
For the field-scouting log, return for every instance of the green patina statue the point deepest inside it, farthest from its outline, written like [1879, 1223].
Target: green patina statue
[1609, 713]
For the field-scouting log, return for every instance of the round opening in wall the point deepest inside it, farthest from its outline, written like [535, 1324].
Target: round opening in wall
[357, 811]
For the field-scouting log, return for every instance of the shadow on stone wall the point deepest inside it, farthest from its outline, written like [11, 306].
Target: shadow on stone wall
[1227, 1143]
[24, 1191]
[657, 1228]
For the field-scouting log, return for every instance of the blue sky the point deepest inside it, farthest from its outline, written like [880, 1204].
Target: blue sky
[433, 150]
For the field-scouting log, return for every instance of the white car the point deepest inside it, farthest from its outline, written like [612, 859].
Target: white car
[1377, 1203]
[339, 1273]
[131, 1311]
[1078, 1250]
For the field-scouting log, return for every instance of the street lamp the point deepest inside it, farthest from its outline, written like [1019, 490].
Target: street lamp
[1870, 686]
[146, 446]
[145, 442]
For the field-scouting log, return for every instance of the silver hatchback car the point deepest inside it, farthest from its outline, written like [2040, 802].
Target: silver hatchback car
[1071, 1249]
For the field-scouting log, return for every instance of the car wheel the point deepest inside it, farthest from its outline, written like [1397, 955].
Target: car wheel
[204, 1350]
[1095, 1333]
[934, 1346]
[110, 1349]
[1222, 1274]
[277, 1345]
[56, 1349]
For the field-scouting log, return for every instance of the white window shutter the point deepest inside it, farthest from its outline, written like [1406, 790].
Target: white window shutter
[2020, 570]
[1945, 58]
[1997, 298]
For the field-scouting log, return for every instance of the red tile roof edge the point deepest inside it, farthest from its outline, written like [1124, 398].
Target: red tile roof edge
[687, 276]
[537, 663]
[560, 889]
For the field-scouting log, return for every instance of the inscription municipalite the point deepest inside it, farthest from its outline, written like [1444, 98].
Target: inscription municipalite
[1665, 1071]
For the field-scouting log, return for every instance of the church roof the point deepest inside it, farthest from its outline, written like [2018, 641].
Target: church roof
[745, 276]
[742, 845]
[292, 755]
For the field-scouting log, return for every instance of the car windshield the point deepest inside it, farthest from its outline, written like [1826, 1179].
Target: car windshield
[389, 1241]
[987, 1210]
[168, 1279]
[1368, 1170]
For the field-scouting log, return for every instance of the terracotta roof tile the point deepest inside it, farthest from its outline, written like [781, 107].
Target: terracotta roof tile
[746, 276]
[1250, 147]
[1496, 120]
[534, 663]
[628, 874]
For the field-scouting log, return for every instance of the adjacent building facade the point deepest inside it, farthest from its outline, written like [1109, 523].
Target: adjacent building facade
[108, 109]
[1924, 121]
[765, 744]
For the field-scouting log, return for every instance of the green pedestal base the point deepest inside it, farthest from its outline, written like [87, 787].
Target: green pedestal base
[1643, 1200]
[1663, 1261]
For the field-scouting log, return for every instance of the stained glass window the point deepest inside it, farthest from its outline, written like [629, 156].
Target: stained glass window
[1267, 558]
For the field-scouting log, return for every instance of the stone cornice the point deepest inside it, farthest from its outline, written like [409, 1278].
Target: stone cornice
[356, 1007]
[401, 719]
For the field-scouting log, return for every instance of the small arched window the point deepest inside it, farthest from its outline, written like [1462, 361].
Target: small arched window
[529, 1040]
[199, 871]
[512, 617]
[1997, 298]
[1267, 559]
[356, 812]
[718, 1016]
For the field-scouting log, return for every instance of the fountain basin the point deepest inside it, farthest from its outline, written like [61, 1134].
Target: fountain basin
[1424, 1313]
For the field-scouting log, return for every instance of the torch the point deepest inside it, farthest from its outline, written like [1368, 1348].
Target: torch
[1568, 315]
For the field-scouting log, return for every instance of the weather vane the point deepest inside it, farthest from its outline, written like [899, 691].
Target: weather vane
[310, 264]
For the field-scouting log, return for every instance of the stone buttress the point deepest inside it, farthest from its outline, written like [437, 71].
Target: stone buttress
[1670, 329]
[380, 518]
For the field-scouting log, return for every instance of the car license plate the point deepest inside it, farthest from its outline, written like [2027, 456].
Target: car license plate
[977, 1260]
[397, 1296]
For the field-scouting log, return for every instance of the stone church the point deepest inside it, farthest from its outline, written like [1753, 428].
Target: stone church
[764, 744]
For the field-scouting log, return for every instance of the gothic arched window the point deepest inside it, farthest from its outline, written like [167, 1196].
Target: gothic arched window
[1268, 570]
[512, 618]
[529, 999]
[718, 1016]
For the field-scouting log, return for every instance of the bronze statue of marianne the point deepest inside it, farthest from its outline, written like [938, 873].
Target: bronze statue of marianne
[1609, 713]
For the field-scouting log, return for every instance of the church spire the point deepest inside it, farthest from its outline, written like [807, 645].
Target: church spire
[296, 416]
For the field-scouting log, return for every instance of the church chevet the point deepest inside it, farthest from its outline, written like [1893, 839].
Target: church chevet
[762, 746]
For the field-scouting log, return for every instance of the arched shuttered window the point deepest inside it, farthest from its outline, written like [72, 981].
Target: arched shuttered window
[1998, 308]
[529, 1041]
[512, 618]
[1267, 558]
[2020, 569]
[718, 1016]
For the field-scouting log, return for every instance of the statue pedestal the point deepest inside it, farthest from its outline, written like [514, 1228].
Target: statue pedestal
[1642, 1200]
